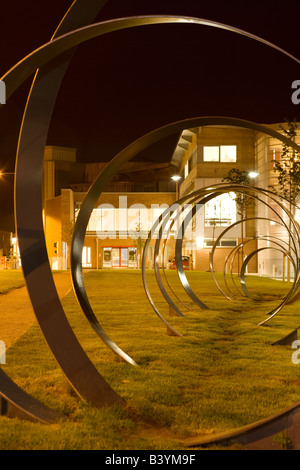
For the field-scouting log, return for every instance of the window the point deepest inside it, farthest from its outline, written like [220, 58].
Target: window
[220, 211]
[186, 170]
[87, 257]
[228, 153]
[275, 157]
[103, 220]
[220, 153]
[211, 154]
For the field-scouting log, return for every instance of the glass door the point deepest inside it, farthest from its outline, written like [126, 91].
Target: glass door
[116, 258]
[132, 261]
[124, 257]
[87, 257]
[107, 258]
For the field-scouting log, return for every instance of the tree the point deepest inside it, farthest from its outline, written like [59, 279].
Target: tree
[236, 176]
[67, 231]
[287, 170]
[139, 243]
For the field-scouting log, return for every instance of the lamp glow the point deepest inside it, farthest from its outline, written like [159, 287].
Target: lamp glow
[176, 178]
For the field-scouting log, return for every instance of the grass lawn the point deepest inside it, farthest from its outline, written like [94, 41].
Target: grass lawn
[222, 373]
[11, 279]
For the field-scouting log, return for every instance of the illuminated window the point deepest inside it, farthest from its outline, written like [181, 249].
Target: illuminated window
[211, 154]
[220, 211]
[87, 257]
[275, 157]
[220, 153]
[186, 169]
[228, 153]
[103, 220]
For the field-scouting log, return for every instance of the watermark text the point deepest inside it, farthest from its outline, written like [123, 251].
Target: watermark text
[2, 92]
[2, 353]
[139, 221]
[296, 354]
[296, 94]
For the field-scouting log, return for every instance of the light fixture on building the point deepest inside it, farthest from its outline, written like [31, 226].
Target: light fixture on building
[176, 178]
[4, 173]
[253, 174]
[200, 243]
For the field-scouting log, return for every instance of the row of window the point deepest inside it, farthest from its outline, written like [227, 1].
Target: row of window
[220, 153]
[214, 154]
[219, 212]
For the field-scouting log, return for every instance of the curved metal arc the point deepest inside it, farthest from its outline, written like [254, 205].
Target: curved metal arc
[84, 302]
[248, 259]
[211, 196]
[244, 188]
[285, 300]
[164, 270]
[26, 68]
[51, 50]
[206, 195]
[106, 175]
[225, 189]
[233, 254]
[192, 213]
[78, 369]
[218, 240]
[144, 276]
[178, 258]
[162, 227]
[160, 224]
[271, 196]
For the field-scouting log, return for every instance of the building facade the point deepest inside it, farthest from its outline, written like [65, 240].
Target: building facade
[141, 191]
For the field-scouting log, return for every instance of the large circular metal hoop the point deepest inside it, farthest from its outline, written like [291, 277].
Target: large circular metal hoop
[100, 183]
[233, 254]
[98, 187]
[197, 200]
[82, 375]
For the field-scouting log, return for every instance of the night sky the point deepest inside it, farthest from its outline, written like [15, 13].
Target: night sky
[125, 84]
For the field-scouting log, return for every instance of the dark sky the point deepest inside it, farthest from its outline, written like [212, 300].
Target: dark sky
[123, 85]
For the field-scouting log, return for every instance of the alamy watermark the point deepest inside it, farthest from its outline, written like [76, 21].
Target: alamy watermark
[2, 353]
[296, 354]
[139, 221]
[296, 94]
[2, 92]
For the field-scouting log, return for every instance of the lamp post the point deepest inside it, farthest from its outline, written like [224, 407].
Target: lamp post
[176, 178]
[252, 175]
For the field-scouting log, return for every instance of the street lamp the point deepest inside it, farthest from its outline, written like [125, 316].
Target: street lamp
[176, 178]
[2, 173]
[253, 174]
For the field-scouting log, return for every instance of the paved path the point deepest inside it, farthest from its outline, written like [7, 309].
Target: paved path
[16, 312]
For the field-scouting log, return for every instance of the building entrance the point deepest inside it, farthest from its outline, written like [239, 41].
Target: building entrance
[119, 257]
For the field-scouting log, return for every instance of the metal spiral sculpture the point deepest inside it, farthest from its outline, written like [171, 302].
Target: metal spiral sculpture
[195, 201]
[48, 65]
